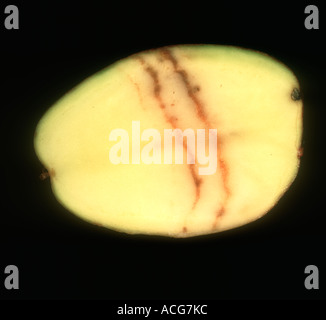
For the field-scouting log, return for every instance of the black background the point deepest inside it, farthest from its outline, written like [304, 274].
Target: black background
[60, 256]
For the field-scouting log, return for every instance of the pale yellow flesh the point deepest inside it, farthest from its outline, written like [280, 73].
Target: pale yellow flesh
[245, 95]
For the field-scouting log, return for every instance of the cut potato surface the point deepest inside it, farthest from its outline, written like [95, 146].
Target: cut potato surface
[176, 141]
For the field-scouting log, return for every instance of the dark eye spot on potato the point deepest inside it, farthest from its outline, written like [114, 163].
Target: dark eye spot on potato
[295, 95]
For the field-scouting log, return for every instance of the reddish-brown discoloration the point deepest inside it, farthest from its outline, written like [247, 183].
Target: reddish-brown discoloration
[46, 174]
[157, 87]
[197, 182]
[224, 175]
[52, 173]
[192, 91]
[184, 229]
[219, 214]
[171, 119]
[138, 90]
[300, 152]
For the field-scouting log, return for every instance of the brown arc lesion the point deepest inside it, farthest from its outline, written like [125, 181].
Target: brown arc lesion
[171, 119]
[197, 181]
[192, 92]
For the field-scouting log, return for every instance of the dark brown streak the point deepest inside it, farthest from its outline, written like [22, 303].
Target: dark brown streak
[219, 214]
[199, 110]
[192, 90]
[197, 182]
[171, 119]
[157, 86]
[157, 90]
